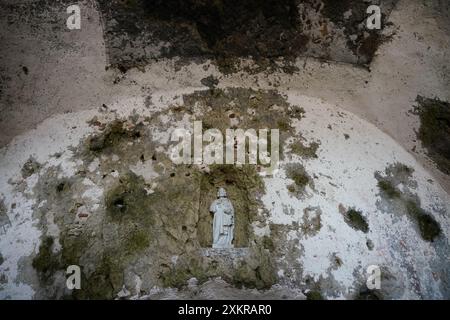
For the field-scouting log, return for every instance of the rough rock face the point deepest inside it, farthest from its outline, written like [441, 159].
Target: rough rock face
[139, 31]
[218, 289]
[129, 213]
[433, 132]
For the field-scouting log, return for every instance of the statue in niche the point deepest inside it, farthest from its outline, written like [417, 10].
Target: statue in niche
[223, 223]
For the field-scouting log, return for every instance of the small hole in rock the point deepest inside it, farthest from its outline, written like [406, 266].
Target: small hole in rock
[60, 187]
[120, 204]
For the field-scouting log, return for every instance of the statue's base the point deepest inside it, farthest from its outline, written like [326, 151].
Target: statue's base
[236, 252]
[216, 247]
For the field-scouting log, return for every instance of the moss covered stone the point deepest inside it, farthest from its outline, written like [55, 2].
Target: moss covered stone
[308, 152]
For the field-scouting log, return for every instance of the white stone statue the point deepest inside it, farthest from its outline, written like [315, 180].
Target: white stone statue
[223, 223]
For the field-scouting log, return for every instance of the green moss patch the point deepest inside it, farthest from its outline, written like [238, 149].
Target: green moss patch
[308, 152]
[301, 178]
[46, 262]
[406, 201]
[394, 175]
[137, 240]
[113, 137]
[128, 199]
[314, 295]
[434, 131]
[387, 188]
[356, 220]
[30, 167]
[428, 227]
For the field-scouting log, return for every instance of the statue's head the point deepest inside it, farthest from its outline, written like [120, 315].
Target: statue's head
[221, 193]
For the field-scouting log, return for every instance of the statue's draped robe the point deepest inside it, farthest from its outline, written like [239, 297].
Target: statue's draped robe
[223, 223]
